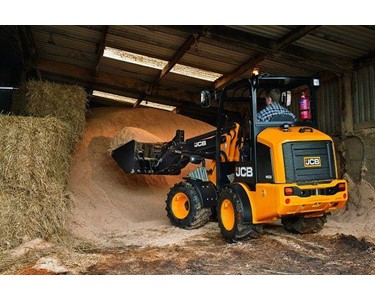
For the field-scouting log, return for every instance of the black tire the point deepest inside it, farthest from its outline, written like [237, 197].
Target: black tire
[304, 225]
[234, 229]
[187, 213]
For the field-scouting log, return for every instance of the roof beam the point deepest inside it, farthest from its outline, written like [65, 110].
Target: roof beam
[284, 41]
[100, 51]
[294, 35]
[365, 60]
[180, 53]
[256, 59]
[241, 40]
[29, 53]
[194, 37]
[113, 81]
[258, 43]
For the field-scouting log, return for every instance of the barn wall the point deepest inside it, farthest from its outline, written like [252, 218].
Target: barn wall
[328, 103]
[363, 90]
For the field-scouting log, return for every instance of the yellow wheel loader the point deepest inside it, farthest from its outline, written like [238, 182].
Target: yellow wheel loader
[256, 172]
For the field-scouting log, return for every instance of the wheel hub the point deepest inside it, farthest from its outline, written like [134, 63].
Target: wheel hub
[180, 205]
[227, 214]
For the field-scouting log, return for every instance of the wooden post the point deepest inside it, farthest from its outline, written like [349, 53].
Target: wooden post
[346, 104]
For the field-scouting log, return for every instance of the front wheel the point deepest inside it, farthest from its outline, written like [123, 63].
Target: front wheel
[184, 207]
[230, 218]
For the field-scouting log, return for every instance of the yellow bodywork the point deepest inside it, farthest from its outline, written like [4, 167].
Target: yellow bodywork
[275, 138]
[231, 149]
[268, 202]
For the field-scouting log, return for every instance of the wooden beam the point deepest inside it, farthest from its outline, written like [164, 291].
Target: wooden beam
[174, 60]
[261, 55]
[266, 51]
[346, 105]
[293, 36]
[112, 80]
[100, 51]
[256, 59]
[365, 60]
[30, 56]
[180, 52]
[292, 52]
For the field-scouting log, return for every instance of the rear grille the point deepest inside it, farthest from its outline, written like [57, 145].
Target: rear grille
[296, 154]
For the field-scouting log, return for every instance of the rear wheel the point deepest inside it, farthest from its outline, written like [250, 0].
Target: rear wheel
[230, 218]
[304, 225]
[184, 207]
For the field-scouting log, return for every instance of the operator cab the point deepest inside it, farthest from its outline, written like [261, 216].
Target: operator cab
[248, 97]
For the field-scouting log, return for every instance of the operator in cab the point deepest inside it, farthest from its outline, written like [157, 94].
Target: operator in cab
[273, 107]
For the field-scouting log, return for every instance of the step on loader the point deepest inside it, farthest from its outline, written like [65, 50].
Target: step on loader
[257, 172]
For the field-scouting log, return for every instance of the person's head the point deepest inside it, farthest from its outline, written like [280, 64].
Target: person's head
[272, 96]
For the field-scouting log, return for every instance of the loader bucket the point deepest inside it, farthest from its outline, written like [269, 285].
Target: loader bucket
[137, 158]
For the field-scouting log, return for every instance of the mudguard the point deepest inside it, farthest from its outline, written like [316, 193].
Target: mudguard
[245, 202]
[206, 190]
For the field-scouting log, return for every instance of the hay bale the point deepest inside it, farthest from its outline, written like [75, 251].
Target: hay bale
[63, 101]
[34, 167]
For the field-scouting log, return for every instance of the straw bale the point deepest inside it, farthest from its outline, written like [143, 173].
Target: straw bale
[63, 101]
[34, 166]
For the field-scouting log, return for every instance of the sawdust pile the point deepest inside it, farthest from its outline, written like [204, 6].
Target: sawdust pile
[128, 134]
[108, 202]
[358, 215]
[359, 211]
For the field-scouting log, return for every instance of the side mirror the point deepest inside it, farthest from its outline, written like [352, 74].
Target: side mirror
[286, 98]
[205, 98]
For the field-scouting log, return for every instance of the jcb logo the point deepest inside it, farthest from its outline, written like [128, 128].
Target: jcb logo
[244, 171]
[311, 162]
[200, 144]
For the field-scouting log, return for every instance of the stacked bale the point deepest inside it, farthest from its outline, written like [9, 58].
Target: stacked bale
[42, 99]
[35, 155]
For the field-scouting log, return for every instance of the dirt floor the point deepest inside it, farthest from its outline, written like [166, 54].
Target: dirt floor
[204, 252]
[276, 252]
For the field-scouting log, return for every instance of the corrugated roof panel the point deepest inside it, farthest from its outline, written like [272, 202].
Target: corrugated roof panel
[206, 64]
[189, 81]
[325, 46]
[180, 86]
[69, 60]
[64, 52]
[139, 47]
[359, 37]
[214, 58]
[150, 36]
[56, 78]
[75, 32]
[277, 68]
[41, 38]
[270, 31]
[224, 46]
[119, 72]
[205, 49]
[128, 67]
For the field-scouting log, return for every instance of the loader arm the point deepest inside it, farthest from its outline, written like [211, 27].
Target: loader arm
[169, 158]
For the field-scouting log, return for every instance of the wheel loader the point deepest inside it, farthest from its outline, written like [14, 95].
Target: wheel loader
[249, 173]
